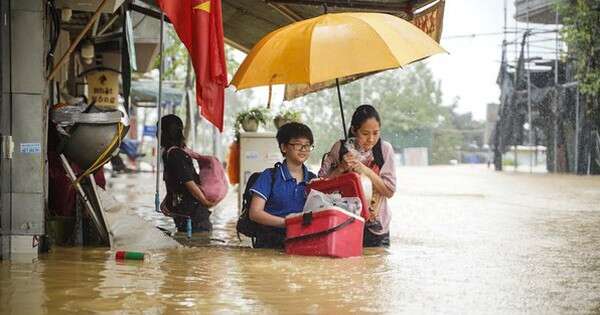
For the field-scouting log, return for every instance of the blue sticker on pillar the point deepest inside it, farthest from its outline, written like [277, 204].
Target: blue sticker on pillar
[150, 131]
[30, 148]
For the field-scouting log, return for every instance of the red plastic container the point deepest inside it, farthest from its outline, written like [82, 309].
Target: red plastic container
[332, 231]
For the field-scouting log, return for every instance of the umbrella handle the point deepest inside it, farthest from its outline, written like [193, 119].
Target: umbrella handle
[337, 84]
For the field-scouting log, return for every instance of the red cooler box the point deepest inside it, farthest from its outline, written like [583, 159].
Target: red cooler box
[331, 231]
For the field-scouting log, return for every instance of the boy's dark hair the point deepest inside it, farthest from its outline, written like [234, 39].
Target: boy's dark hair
[171, 131]
[293, 130]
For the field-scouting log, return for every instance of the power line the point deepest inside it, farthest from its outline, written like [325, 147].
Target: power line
[476, 35]
[473, 35]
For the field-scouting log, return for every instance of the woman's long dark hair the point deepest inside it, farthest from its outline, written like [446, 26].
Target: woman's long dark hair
[362, 114]
[171, 131]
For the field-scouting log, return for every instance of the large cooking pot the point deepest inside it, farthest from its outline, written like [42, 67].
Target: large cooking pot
[92, 136]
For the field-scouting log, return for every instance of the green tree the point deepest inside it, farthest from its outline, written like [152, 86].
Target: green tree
[447, 137]
[175, 56]
[581, 28]
[320, 111]
[581, 20]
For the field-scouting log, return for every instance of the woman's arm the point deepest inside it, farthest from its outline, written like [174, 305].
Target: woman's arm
[384, 182]
[377, 181]
[193, 188]
[259, 215]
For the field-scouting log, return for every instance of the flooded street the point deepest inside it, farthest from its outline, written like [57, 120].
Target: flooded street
[465, 239]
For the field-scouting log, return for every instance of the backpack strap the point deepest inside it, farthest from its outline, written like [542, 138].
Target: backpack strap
[171, 149]
[274, 173]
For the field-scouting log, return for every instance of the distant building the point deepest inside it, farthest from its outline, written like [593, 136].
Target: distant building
[523, 155]
[539, 103]
[540, 11]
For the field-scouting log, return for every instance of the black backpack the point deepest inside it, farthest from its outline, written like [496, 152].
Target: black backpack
[244, 224]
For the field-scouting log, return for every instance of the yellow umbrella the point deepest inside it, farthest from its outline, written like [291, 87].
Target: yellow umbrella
[333, 46]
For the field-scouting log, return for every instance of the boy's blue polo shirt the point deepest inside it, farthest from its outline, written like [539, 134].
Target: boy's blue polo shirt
[287, 196]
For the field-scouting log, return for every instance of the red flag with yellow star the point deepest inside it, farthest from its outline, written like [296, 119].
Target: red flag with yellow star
[200, 27]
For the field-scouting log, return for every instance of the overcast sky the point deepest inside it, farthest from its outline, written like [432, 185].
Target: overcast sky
[471, 68]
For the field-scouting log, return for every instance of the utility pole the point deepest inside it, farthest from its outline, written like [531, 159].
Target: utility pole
[505, 19]
[530, 129]
[556, 95]
[515, 79]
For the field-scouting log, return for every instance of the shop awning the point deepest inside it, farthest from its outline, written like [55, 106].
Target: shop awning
[245, 22]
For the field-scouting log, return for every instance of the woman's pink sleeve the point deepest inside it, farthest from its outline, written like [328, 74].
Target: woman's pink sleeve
[331, 160]
[388, 170]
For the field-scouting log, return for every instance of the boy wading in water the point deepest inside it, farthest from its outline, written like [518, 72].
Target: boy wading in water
[280, 191]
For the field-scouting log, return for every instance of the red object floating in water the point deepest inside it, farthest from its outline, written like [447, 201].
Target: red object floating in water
[121, 255]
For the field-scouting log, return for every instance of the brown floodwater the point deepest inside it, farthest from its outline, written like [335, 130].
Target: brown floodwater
[464, 240]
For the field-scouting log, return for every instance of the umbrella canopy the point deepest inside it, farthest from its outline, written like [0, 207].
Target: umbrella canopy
[333, 46]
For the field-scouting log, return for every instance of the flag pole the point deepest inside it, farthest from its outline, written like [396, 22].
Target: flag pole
[159, 99]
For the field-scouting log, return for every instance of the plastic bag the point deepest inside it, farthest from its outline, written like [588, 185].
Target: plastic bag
[213, 181]
[317, 200]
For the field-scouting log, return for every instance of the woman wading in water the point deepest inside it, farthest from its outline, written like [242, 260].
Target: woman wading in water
[367, 154]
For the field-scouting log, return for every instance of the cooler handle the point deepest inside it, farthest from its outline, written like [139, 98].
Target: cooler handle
[324, 232]
[306, 218]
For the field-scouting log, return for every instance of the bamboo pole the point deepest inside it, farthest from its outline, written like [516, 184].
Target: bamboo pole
[74, 44]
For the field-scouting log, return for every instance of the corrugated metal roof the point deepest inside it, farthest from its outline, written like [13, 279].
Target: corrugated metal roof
[247, 21]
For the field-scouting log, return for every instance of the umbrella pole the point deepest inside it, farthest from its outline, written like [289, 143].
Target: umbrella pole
[158, 103]
[337, 84]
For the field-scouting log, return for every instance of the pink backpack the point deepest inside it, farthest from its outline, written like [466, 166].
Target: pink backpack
[213, 181]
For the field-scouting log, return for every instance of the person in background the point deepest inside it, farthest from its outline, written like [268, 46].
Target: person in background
[372, 157]
[184, 197]
[280, 191]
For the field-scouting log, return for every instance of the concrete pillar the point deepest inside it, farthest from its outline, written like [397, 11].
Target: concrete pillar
[23, 112]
